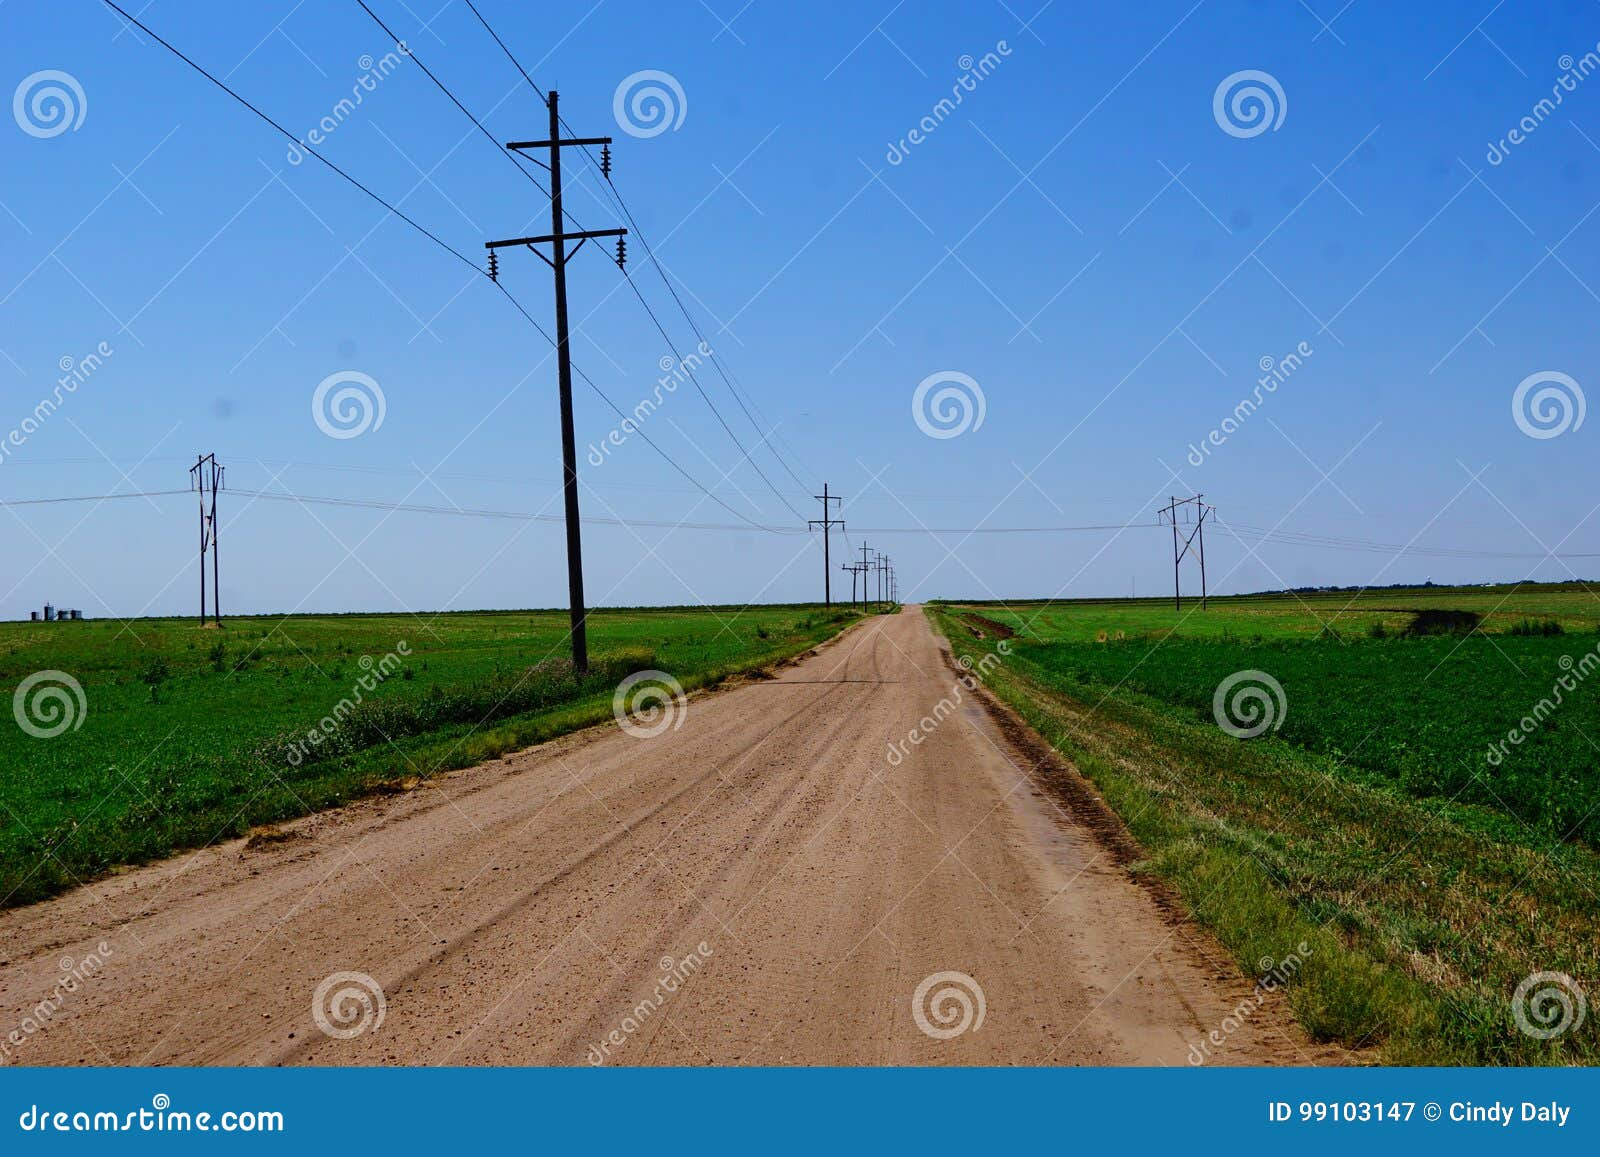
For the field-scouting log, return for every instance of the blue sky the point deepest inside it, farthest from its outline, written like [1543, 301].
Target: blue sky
[1080, 236]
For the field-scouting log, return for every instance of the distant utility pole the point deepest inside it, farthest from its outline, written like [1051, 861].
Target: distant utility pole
[1195, 511]
[866, 569]
[557, 261]
[205, 477]
[855, 570]
[825, 522]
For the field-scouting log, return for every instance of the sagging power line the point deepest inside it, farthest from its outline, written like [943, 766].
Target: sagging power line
[1236, 531]
[604, 165]
[770, 438]
[432, 237]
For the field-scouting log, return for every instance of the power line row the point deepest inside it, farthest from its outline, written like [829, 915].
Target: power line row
[1234, 531]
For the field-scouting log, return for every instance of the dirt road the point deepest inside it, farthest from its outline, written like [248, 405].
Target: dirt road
[760, 885]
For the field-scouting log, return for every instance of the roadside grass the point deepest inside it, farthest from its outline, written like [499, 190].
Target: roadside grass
[219, 743]
[1421, 916]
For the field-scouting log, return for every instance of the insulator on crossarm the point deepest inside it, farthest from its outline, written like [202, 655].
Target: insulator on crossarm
[622, 252]
[605, 160]
[494, 266]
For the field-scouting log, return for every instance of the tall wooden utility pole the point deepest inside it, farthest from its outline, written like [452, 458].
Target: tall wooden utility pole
[825, 522]
[559, 256]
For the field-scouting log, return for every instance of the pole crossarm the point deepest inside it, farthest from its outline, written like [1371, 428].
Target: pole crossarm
[582, 235]
[520, 145]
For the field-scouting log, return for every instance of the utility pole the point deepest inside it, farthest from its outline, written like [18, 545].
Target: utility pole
[1195, 539]
[205, 477]
[825, 522]
[855, 570]
[559, 256]
[866, 569]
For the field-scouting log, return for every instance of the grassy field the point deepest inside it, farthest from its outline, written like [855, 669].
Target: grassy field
[1368, 818]
[185, 735]
[1423, 688]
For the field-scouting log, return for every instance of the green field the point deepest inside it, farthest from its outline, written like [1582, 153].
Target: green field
[187, 735]
[1370, 813]
[1429, 711]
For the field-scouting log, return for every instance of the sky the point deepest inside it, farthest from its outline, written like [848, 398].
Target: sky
[1006, 275]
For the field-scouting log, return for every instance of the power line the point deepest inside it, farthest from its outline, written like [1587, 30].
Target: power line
[442, 87]
[516, 160]
[92, 497]
[771, 437]
[136, 22]
[1232, 531]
